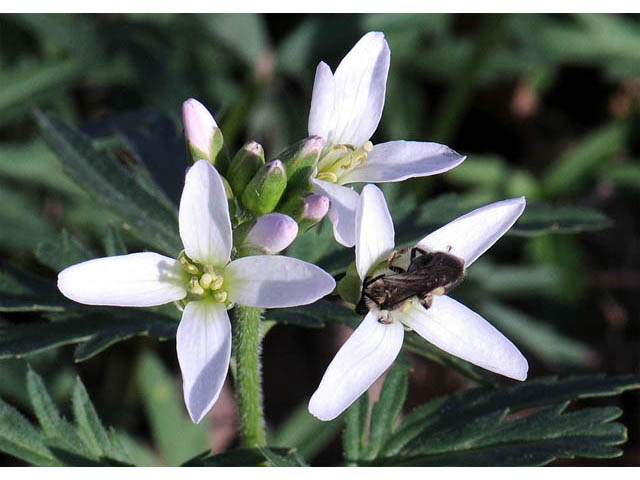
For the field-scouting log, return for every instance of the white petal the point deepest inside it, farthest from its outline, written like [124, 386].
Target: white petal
[399, 160]
[136, 280]
[322, 99]
[203, 343]
[342, 212]
[454, 328]
[205, 226]
[368, 352]
[360, 84]
[375, 237]
[471, 235]
[273, 281]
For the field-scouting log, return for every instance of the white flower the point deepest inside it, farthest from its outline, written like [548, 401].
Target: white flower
[449, 325]
[205, 279]
[345, 111]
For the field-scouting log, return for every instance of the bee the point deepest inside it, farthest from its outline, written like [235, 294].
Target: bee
[428, 274]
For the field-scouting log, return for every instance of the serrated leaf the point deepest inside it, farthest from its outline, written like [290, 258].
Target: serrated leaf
[57, 430]
[536, 439]
[90, 428]
[177, 438]
[483, 410]
[107, 181]
[20, 439]
[389, 406]
[355, 432]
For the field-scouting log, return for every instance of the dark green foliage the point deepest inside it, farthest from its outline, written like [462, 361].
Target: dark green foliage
[58, 441]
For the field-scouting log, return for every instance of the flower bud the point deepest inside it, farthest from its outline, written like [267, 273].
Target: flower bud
[316, 207]
[244, 166]
[271, 233]
[263, 192]
[301, 158]
[203, 137]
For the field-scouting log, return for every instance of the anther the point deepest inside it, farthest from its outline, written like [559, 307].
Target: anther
[194, 287]
[217, 283]
[220, 297]
[205, 280]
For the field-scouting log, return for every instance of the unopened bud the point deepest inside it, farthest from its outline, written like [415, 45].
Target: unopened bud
[316, 207]
[272, 233]
[263, 192]
[301, 159]
[244, 166]
[203, 137]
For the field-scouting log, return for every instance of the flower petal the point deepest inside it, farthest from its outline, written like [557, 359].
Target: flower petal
[374, 230]
[360, 84]
[203, 343]
[471, 235]
[399, 160]
[368, 352]
[342, 212]
[322, 99]
[136, 280]
[205, 226]
[273, 281]
[456, 329]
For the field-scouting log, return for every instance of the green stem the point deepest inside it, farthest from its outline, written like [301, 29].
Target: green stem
[246, 345]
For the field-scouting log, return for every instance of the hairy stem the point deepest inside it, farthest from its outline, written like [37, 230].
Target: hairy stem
[246, 345]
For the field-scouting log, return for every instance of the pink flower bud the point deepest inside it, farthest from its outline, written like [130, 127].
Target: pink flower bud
[199, 127]
[316, 207]
[272, 233]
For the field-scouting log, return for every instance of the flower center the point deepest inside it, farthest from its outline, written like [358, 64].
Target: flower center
[337, 160]
[206, 281]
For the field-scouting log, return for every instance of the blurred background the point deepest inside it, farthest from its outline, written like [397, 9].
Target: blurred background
[546, 106]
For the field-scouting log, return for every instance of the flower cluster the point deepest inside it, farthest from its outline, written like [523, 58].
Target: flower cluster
[237, 213]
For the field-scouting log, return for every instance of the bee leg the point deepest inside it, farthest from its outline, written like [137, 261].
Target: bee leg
[427, 301]
[396, 269]
[416, 250]
[385, 318]
[369, 281]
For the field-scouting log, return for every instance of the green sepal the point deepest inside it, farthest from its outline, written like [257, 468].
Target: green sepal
[350, 286]
[300, 159]
[196, 154]
[245, 165]
[292, 203]
[265, 189]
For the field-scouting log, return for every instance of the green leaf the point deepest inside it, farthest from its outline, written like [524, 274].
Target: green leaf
[389, 406]
[245, 34]
[56, 429]
[548, 344]
[541, 219]
[22, 88]
[60, 253]
[107, 181]
[23, 292]
[290, 459]
[90, 428]
[113, 243]
[305, 433]
[177, 438]
[536, 439]
[20, 439]
[247, 457]
[355, 433]
[567, 173]
[100, 328]
[471, 427]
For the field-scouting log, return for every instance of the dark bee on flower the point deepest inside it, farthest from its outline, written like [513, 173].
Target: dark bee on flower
[428, 274]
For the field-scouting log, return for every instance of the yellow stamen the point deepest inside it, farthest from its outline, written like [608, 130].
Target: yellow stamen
[220, 297]
[205, 280]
